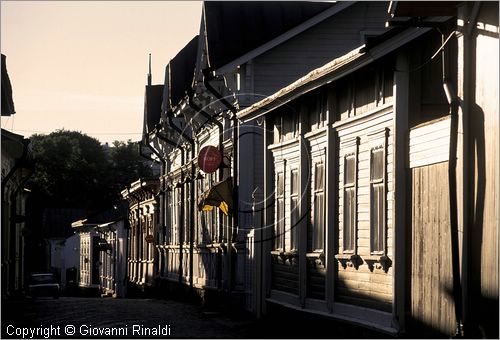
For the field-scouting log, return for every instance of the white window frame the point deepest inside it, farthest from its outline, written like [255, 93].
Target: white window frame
[350, 150]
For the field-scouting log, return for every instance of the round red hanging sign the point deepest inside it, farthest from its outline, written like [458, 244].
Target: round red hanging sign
[209, 159]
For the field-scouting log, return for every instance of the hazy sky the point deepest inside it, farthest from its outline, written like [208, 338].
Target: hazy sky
[82, 65]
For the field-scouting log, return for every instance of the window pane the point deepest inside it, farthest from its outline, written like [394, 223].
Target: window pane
[349, 218]
[349, 170]
[319, 222]
[295, 183]
[352, 206]
[319, 177]
[279, 185]
[377, 218]
[294, 221]
[280, 224]
[377, 165]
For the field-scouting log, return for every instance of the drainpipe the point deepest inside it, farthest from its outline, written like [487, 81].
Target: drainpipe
[176, 145]
[138, 226]
[163, 170]
[17, 165]
[469, 50]
[191, 201]
[207, 76]
[219, 125]
[453, 100]
[13, 221]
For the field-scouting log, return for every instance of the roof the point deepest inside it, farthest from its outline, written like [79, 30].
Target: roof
[417, 13]
[116, 213]
[14, 144]
[182, 68]
[7, 101]
[335, 69]
[152, 106]
[234, 28]
[57, 221]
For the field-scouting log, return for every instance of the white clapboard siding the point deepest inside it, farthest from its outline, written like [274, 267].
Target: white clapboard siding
[362, 286]
[316, 46]
[430, 143]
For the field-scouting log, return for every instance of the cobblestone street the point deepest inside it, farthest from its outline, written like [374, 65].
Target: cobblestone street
[89, 316]
[97, 317]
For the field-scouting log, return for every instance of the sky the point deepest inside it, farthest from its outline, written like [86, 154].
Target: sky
[82, 65]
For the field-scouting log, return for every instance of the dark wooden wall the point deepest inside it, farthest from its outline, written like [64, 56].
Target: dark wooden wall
[431, 283]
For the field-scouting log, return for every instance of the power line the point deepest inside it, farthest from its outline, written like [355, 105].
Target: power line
[90, 133]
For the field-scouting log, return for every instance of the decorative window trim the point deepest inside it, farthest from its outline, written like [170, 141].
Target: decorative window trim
[379, 182]
[285, 257]
[349, 257]
[292, 228]
[351, 147]
[349, 260]
[318, 161]
[280, 234]
[378, 259]
[378, 262]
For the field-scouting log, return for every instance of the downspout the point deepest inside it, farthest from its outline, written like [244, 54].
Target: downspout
[13, 213]
[219, 125]
[138, 226]
[181, 218]
[127, 254]
[162, 192]
[191, 201]
[453, 100]
[207, 76]
[469, 50]
[17, 165]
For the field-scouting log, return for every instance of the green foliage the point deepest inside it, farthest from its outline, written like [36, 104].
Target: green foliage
[126, 165]
[75, 170]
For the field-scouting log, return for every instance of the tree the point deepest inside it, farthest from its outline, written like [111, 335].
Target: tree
[71, 170]
[126, 164]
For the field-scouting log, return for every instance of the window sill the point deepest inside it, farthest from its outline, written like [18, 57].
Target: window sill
[378, 262]
[349, 260]
[317, 258]
[316, 254]
[282, 257]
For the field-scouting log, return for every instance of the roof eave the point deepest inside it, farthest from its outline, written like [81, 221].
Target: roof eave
[340, 6]
[336, 69]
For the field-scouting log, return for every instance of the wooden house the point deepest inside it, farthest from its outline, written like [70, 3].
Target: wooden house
[221, 71]
[143, 215]
[372, 181]
[17, 167]
[102, 257]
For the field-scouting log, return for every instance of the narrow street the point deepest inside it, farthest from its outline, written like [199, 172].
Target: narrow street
[93, 317]
[85, 317]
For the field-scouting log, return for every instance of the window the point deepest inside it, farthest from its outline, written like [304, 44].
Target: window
[318, 221]
[350, 203]
[209, 217]
[279, 232]
[377, 201]
[294, 210]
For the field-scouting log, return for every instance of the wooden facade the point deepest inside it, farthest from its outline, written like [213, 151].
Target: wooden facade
[113, 258]
[360, 188]
[405, 172]
[141, 197]
[209, 251]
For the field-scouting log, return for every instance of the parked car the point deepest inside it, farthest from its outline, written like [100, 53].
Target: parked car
[43, 284]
